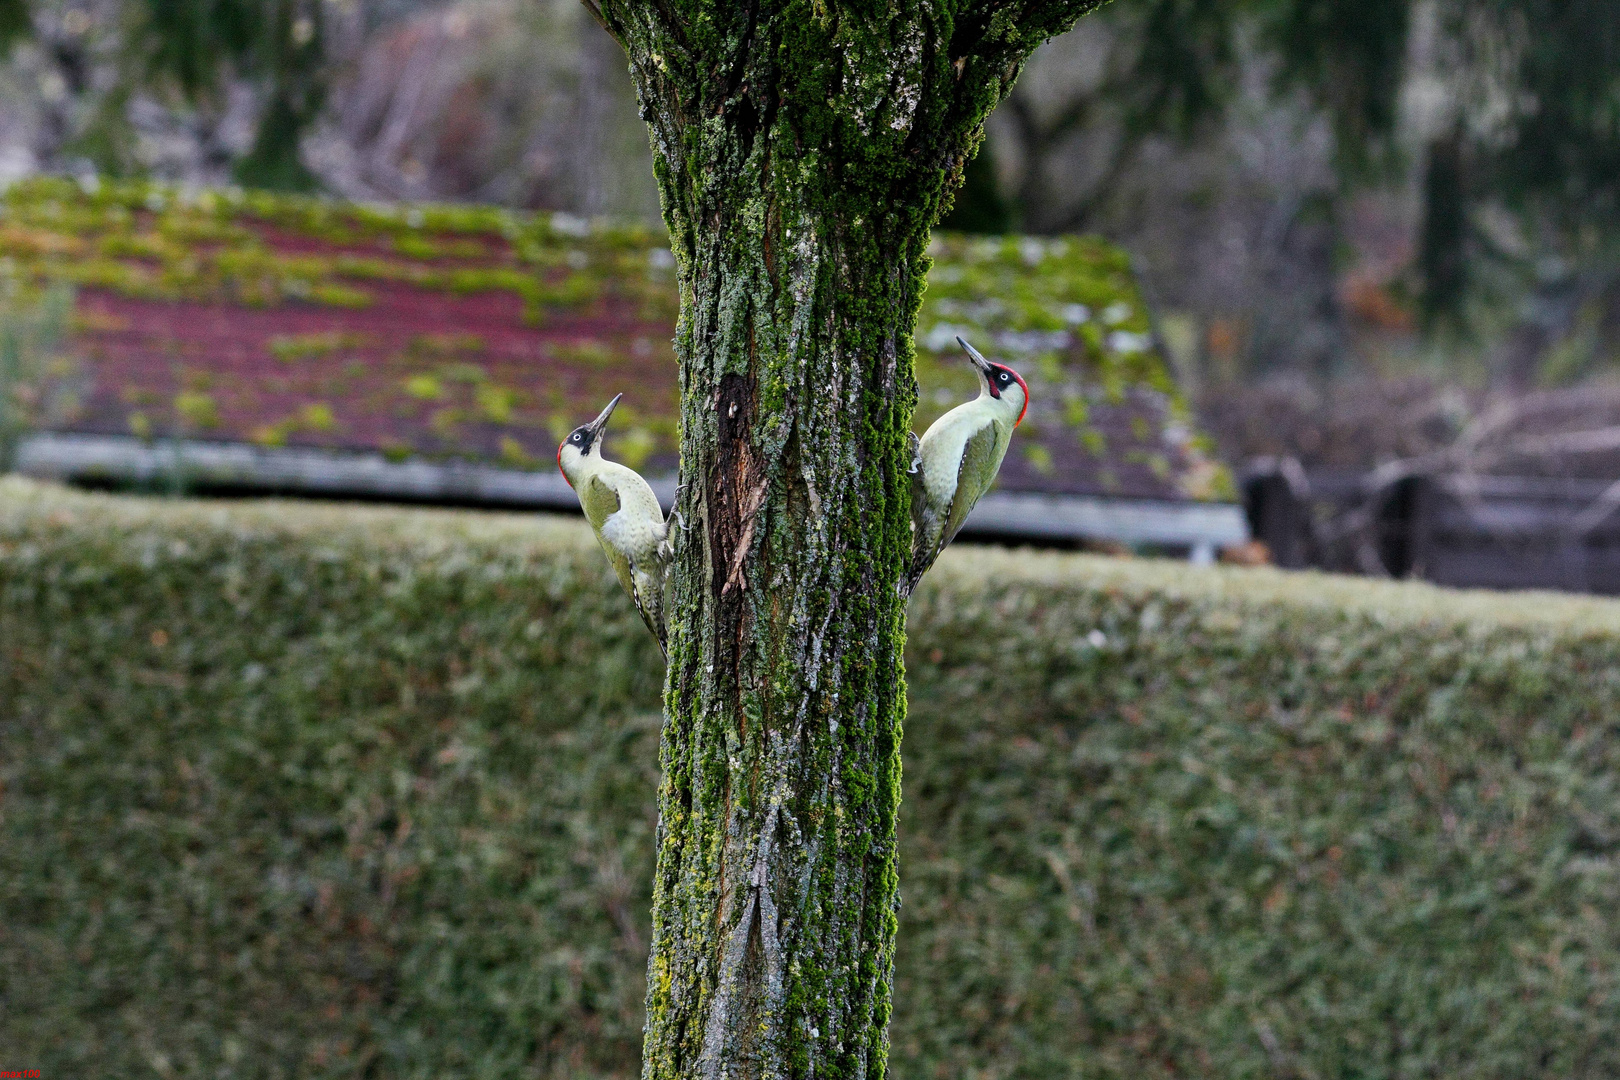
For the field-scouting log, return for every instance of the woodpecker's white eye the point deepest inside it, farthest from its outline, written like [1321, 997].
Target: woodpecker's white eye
[1003, 376]
[578, 436]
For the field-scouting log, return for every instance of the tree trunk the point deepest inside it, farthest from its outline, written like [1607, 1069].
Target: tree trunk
[803, 150]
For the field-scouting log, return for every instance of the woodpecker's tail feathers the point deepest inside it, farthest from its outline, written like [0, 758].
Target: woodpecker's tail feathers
[928, 536]
[925, 526]
[914, 573]
[647, 593]
[922, 560]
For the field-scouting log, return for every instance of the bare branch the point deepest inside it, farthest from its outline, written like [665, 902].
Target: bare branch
[1594, 441]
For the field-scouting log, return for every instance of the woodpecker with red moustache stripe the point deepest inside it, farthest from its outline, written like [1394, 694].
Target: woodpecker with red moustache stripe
[625, 515]
[958, 457]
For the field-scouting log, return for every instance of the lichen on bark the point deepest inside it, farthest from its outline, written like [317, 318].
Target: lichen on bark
[803, 150]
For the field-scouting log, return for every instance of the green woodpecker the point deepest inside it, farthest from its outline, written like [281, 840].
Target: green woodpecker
[624, 513]
[958, 458]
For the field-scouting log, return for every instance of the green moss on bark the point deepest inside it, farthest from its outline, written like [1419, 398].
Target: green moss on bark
[803, 152]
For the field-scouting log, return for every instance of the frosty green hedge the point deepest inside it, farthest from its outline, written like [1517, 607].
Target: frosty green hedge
[301, 791]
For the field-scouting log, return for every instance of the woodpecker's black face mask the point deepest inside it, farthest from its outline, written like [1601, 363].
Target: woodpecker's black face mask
[582, 438]
[1000, 378]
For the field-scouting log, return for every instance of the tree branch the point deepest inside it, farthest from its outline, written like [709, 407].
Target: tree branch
[1024, 20]
[1076, 216]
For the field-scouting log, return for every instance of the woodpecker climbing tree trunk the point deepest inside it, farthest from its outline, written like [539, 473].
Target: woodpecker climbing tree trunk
[803, 150]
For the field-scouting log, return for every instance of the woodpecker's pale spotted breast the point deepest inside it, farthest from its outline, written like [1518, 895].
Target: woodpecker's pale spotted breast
[958, 457]
[625, 515]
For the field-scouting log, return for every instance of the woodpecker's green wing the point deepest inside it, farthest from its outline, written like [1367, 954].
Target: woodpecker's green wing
[600, 501]
[981, 460]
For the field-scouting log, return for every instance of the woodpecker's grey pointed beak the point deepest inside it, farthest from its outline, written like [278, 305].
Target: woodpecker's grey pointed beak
[601, 420]
[973, 355]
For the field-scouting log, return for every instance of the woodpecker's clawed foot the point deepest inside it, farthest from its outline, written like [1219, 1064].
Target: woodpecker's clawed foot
[675, 514]
[916, 452]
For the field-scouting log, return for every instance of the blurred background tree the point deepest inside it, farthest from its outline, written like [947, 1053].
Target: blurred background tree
[1496, 124]
[1523, 180]
[13, 20]
[1316, 192]
[191, 47]
[521, 102]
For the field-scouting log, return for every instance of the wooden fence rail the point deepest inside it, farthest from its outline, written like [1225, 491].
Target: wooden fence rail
[1454, 529]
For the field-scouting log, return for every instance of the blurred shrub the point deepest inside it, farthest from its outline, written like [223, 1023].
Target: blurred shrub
[32, 375]
[318, 792]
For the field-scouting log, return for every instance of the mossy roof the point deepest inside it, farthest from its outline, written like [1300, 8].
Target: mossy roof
[474, 332]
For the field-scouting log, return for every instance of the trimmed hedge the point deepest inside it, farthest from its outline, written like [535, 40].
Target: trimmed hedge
[308, 791]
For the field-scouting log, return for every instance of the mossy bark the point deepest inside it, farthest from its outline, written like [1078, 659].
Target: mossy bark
[803, 149]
